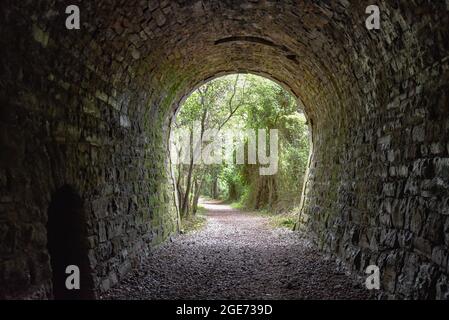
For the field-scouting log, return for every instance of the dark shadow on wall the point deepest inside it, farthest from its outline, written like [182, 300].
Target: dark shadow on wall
[66, 234]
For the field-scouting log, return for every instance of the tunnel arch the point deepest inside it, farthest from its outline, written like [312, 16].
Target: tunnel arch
[179, 102]
[376, 100]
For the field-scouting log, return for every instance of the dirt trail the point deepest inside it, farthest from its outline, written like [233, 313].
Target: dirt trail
[237, 256]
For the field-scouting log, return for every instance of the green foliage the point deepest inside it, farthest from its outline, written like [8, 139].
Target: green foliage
[232, 181]
[240, 102]
[284, 220]
[272, 107]
[194, 223]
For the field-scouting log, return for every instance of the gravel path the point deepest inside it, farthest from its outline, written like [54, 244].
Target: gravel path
[237, 256]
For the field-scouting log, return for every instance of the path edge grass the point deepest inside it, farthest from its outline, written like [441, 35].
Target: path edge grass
[194, 223]
[287, 220]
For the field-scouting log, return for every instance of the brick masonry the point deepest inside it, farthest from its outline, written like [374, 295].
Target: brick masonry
[91, 109]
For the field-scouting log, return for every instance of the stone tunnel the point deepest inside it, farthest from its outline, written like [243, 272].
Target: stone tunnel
[85, 120]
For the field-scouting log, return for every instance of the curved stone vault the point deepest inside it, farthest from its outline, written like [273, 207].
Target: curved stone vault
[91, 109]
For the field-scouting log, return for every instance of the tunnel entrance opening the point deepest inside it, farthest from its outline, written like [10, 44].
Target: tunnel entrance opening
[241, 138]
[65, 242]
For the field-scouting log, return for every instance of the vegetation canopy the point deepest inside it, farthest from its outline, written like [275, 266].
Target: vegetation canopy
[240, 103]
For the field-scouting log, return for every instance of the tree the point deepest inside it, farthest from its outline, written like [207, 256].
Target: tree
[234, 103]
[206, 105]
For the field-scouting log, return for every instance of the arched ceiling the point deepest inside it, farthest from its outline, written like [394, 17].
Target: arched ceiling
[319, 49]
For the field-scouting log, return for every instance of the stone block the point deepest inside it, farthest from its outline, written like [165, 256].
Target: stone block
[442, 288]
[419, 134]
[423, 246]
[102, 231]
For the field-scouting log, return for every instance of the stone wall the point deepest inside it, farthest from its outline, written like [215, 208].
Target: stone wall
[63, 122]
[91, 109]
[384, 198]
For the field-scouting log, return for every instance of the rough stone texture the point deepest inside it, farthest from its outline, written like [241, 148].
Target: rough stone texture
[91, 109]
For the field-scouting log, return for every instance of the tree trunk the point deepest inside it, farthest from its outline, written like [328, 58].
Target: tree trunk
[185, 202]
[197, 193]
[215, 188]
